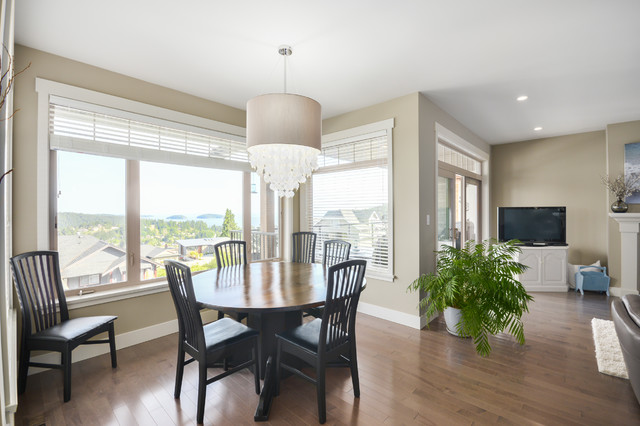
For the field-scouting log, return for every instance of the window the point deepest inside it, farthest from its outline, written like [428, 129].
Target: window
[182, 214]
[133, 189]
[350, 197]
[91, 220]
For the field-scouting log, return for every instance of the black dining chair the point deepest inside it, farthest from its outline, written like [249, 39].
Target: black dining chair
[330, 338]
[230, 253]
[333, 252]
[303, 247]
[210, 343]
[45, 317]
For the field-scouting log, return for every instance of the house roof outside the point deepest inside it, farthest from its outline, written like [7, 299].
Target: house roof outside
[82, 255]
[354, 216]
[157, 253]
[199, 242]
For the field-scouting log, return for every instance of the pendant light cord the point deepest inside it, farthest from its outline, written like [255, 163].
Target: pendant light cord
[285, 74]
[285, 51]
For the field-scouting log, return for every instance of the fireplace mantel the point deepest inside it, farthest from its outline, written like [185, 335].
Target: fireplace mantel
[629, 229]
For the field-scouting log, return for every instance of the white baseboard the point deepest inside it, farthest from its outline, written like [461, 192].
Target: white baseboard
[142, 335]
[547, 288]
[619, 291]
[123, 340]
[413, 321]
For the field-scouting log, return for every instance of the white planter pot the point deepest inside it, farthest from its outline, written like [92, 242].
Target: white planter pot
[452, 316]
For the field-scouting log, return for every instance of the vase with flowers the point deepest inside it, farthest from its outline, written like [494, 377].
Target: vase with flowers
[621, 187]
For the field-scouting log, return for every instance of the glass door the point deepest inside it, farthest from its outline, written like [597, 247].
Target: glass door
[446, 232]
[472, 210]
[458, 197]
[455, 224]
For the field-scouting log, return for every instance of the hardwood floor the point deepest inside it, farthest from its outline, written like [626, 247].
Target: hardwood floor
[407, 376]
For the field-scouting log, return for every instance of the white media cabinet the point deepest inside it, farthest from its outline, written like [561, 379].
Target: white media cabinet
[547, 268]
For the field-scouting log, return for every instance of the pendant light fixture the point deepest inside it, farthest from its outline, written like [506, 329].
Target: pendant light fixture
[283, 136]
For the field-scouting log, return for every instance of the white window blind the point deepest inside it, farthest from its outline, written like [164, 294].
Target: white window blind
[349, 199]
[458, 159]
[82, 127]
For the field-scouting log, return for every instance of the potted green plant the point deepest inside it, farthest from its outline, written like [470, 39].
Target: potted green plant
[479, 281]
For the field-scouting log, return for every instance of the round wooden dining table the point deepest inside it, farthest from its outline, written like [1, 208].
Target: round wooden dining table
[273, 294]
[262, 287]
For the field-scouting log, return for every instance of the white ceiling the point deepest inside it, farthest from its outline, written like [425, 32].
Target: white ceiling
[577, 60]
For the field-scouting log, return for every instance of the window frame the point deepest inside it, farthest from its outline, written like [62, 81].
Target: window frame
[46, 178]
[352, 135]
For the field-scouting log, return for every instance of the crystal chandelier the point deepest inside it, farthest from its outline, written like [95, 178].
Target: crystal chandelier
[283, 136]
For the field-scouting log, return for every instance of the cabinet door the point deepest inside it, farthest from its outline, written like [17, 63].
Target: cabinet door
[555, 267]
[533, 275]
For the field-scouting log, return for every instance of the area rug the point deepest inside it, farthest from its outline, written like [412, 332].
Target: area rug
[608, 352]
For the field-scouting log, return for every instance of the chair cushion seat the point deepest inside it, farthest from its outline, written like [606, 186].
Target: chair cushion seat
[306, 335]
[72, 328]
[226, 331]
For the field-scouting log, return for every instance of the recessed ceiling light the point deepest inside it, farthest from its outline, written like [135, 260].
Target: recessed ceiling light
[522, 98]
[537, 129]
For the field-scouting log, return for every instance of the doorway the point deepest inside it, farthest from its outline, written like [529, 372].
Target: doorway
[458, 199]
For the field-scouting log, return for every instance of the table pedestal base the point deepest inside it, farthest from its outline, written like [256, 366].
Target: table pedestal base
[269, 324]
[267, 393]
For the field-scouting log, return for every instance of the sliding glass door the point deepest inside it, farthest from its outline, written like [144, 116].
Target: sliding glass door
[472, 209]
[458, 206]
[448, 210]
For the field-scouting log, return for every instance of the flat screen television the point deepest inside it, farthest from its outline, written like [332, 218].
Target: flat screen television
[533, 225]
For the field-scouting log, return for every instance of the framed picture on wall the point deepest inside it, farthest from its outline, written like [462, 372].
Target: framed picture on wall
[632, 167]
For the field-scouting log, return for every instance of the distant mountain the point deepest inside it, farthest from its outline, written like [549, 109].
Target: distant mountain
[177, 217]
[211, 216]
[75, 220]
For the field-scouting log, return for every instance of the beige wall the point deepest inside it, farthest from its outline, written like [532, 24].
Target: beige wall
[133, 313]
[430, 115]
[559, 171]
[414, 177]
[404, 110]
[617, 136]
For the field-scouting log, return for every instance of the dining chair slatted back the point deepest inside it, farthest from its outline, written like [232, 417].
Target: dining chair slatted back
[335, 251]
[229, 253]
[45, 317]
[343, 293]
[207, 344]
[303, 247]
[40, 289]
[189, 320]
[328, 339]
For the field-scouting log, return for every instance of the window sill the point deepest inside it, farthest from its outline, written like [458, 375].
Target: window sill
[100, 297]
[380, 276]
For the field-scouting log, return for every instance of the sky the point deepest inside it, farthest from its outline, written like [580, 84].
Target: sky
[94, 184]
